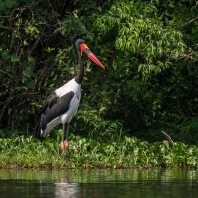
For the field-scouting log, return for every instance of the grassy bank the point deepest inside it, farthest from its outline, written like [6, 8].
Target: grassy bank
[126, 152]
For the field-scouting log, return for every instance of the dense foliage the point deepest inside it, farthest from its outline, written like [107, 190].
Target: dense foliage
[149, 49]
[122, 152]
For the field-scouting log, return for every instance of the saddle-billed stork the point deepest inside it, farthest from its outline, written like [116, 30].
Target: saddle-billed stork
[62, 104]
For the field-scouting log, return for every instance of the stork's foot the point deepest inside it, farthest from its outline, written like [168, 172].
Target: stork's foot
[64, 145]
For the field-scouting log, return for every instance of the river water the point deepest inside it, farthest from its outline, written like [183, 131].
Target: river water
[126, 183]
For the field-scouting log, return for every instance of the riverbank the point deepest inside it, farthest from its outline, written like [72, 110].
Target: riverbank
[126, 152]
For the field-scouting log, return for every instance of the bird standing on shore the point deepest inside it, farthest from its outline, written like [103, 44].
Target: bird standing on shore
[62, 104]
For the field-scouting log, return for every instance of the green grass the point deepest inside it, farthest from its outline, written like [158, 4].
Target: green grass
[125, 152]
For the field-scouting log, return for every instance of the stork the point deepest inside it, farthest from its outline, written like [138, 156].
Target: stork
[62, 104]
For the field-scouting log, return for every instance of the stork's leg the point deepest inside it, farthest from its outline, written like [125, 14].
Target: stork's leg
[67, 149]
[63, 138]
[64, 142]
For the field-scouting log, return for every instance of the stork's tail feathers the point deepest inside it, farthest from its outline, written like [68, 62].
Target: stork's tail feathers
[37, 133]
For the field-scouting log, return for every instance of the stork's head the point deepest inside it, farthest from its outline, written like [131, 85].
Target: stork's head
[81, 47]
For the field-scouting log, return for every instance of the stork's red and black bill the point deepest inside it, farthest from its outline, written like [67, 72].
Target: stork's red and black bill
[90, 55]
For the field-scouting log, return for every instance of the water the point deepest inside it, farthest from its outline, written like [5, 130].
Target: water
[99, 183]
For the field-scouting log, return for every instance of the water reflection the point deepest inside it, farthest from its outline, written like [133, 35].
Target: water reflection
[99, 183]
[61, 190]
[27, 188]
[99, 176]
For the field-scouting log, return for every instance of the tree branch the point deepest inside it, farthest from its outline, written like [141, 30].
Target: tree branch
[8, 28]
[187, 23]
[168, 137]
[6, 104]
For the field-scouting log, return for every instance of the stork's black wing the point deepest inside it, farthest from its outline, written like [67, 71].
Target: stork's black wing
[50, 101]
[53, 107]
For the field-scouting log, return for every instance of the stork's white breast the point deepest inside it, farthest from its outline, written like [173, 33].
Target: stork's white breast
[69, 86]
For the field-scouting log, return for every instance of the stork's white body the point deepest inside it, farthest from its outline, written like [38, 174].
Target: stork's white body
[73, 106]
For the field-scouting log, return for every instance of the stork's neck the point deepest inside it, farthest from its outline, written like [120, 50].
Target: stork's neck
[80, 73]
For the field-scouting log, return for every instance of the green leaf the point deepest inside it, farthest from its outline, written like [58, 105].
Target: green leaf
[27, 73]
[2, 6]
[8, 68]
[31, 84]
[9, 3]
[5, 56]
[31, 62]
[102, 108]
[165, 142]
[15, 58]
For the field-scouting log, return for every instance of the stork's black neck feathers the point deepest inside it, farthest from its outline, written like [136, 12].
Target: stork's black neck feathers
[80, 73]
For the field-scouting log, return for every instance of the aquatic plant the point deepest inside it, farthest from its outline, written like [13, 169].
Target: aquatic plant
[128, 152]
